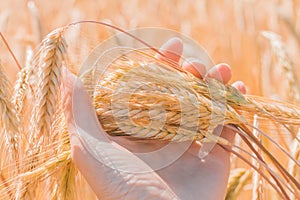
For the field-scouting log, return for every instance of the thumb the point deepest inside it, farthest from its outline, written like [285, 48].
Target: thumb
[78, 109]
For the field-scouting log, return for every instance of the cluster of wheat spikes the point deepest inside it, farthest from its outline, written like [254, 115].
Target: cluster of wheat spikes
[35, 159]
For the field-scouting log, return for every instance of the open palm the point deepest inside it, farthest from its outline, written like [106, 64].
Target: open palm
[115, 172]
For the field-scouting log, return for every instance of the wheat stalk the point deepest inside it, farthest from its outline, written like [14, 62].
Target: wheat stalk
[257, 186]
[237, 180]
[67, 187]
[187, 101]
[9, 137]
[8, 122]
[48, 166]
[48, 61]
[20, 90]
[160, 86]
[293, 168]
[130, 95]
[21, 85]
[180, 94]
[284, 62]
[67, 174]
[35, 22]
[46, 68]
[27, 179]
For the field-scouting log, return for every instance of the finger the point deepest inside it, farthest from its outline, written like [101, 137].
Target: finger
[67, 85]
[172, 49]
[78, 108]
[221, 72]
[211, 148]
[227, 133]
[195, 67]
[240, 86]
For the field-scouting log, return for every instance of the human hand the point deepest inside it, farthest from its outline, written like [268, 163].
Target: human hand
[115, 172]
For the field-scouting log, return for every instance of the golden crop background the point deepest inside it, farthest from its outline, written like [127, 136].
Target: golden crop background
[230, 30]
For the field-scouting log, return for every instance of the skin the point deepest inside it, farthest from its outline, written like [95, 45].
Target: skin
[188, 177]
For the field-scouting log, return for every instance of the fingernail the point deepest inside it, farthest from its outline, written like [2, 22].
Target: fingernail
[240, 86]
[172, 49]
[174, 40]
[194, 66]
[221, 72]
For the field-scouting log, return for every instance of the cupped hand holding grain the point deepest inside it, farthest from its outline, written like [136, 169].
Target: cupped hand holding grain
[188, 177]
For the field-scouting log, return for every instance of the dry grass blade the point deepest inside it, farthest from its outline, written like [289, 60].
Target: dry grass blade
[239, 177]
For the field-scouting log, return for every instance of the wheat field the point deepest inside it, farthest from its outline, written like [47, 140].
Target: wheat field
[259, 39]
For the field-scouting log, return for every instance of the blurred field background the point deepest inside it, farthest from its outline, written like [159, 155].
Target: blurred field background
[230, 30]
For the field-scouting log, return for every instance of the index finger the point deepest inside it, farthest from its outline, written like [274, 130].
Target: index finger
[172, 49]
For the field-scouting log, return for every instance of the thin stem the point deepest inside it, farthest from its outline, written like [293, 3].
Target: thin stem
[168, 60]
[10, 51]
[255, 168]
[278, 165]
